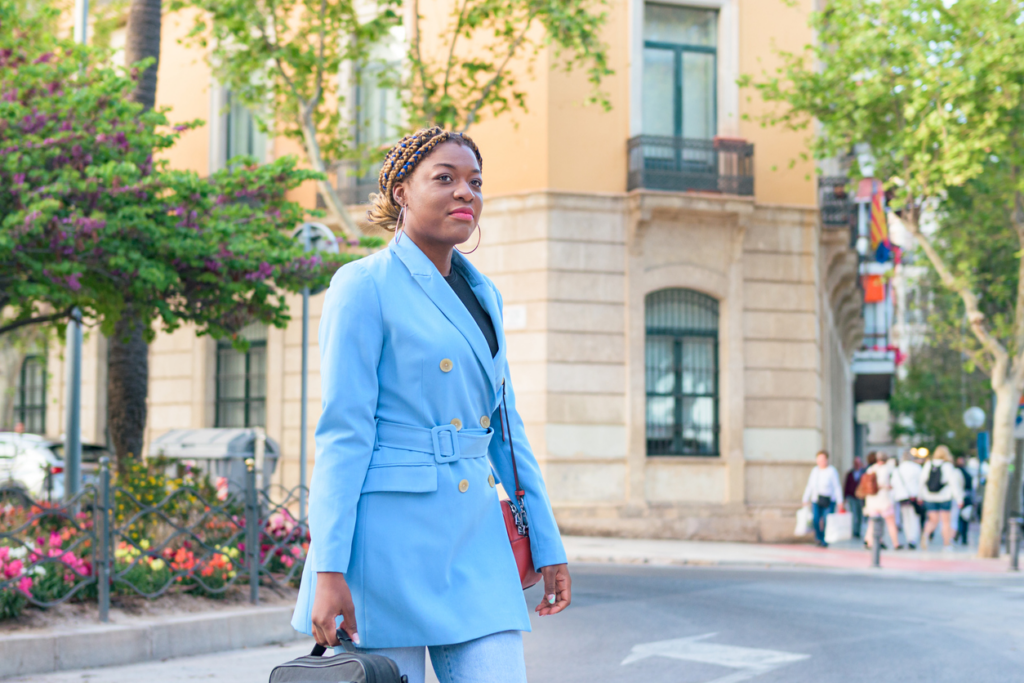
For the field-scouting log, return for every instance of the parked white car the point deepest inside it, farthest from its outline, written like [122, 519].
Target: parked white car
[35, 464]
[27, 462]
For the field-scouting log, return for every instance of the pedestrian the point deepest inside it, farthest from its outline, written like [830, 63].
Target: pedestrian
[941, 485]
[906, 491]
[855, 504]
[823, 493]
[879, 506]
[409, 543]
[963, 518]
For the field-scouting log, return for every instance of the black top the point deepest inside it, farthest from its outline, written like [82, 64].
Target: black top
[483, 320]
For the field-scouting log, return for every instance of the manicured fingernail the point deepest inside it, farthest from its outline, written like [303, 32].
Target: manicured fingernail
[355, 638]
[551, 599]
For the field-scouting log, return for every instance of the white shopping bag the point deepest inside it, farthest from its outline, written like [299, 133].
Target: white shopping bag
[966, 511]
[911, 526]
[838, 527]
[803, 522]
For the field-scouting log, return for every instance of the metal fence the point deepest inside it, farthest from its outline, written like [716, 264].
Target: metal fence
[721, 165]
[139, 540]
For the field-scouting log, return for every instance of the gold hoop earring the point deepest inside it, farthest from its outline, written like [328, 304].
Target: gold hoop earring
[479, 236]
[399, 224]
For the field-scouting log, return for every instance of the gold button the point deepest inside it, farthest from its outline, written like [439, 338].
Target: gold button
[463, 486]
[458, 424]
[447, 365]
[490, 480]
[485, 422]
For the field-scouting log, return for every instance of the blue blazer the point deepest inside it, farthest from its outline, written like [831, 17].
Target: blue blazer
[402, 498]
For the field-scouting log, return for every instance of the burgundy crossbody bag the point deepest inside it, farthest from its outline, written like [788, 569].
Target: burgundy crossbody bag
[516, 524]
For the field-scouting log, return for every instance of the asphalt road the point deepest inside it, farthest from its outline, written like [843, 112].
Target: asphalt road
[712, 625]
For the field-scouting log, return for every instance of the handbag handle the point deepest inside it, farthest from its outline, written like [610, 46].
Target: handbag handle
[319, 650]
[520, 493]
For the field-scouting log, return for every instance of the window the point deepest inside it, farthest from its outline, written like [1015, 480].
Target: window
[377, 106]
[681, 353]
[680, 52]
[242, 135]
[30, 402]
[242, 380]
[377, 116]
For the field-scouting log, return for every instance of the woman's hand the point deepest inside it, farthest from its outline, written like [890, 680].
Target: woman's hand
[331, 599]
[557, 589]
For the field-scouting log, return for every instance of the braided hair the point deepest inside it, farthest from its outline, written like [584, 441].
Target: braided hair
[400, 162]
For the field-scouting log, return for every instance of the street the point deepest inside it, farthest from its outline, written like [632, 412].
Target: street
[715, 625]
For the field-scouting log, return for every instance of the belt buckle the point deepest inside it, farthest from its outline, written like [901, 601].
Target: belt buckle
[453, 436]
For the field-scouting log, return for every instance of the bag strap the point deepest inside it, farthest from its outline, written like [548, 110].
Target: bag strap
[520, 493]
[519, 504]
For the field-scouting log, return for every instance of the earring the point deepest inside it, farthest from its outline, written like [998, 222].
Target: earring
[479, 236]
[399, 224]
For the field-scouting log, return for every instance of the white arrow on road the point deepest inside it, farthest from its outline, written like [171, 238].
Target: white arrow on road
[751, 662]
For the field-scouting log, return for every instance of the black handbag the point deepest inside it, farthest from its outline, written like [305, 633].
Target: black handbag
[824, 502]
[346, 667]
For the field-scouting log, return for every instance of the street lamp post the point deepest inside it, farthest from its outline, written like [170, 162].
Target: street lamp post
[73, 348]
[73, 424]
[314, 237]
[303, 421]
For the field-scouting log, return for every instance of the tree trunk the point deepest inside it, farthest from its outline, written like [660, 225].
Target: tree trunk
[142, 41]
[1003, 417]
[128, 360]
[127, 387]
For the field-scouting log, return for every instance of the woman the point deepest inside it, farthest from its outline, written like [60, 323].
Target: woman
[824, 493]
[880, 504]
[408, 544]
[941, 484]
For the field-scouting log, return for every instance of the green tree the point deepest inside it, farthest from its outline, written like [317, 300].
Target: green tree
[929, 400]
[90, 217]
[937, 90]
[282, 59]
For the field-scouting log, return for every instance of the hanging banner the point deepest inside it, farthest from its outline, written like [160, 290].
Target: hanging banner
[874, 289]
[880, 245]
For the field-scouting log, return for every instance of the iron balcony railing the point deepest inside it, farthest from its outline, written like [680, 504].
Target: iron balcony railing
[723, 165]
[837, 208]
[355, 187]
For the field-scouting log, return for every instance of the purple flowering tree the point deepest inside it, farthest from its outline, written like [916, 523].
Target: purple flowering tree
[91, 218]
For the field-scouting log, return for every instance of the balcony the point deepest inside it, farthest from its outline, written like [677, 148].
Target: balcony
[837, 207]
[722, 165]
[353, 189]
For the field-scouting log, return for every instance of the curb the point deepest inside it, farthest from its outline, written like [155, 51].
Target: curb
[98, 645]
[889, 568]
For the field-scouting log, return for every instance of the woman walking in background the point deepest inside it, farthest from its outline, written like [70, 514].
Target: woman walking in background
[855, 504]
[824, 493]
[963, 517]
[409, 544]
[880, 503]
[941, 484]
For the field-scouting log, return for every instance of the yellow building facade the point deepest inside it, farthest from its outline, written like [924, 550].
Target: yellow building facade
[680, 324]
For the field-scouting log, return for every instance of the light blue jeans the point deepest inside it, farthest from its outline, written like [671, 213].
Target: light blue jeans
[497, 658]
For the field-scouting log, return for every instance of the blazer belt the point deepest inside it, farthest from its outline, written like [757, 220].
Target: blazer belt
[444, 442]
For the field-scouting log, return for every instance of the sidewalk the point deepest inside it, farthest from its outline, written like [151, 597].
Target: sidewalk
[850, 555]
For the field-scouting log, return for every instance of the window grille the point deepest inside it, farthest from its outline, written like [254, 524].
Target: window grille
[242, 380]
[681, 359]
[30, 404]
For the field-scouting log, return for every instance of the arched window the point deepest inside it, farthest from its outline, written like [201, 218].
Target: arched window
[681, 358]
[242, 380]
[30, 402]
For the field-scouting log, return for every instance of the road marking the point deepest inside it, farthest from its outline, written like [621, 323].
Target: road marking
[750, 661]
